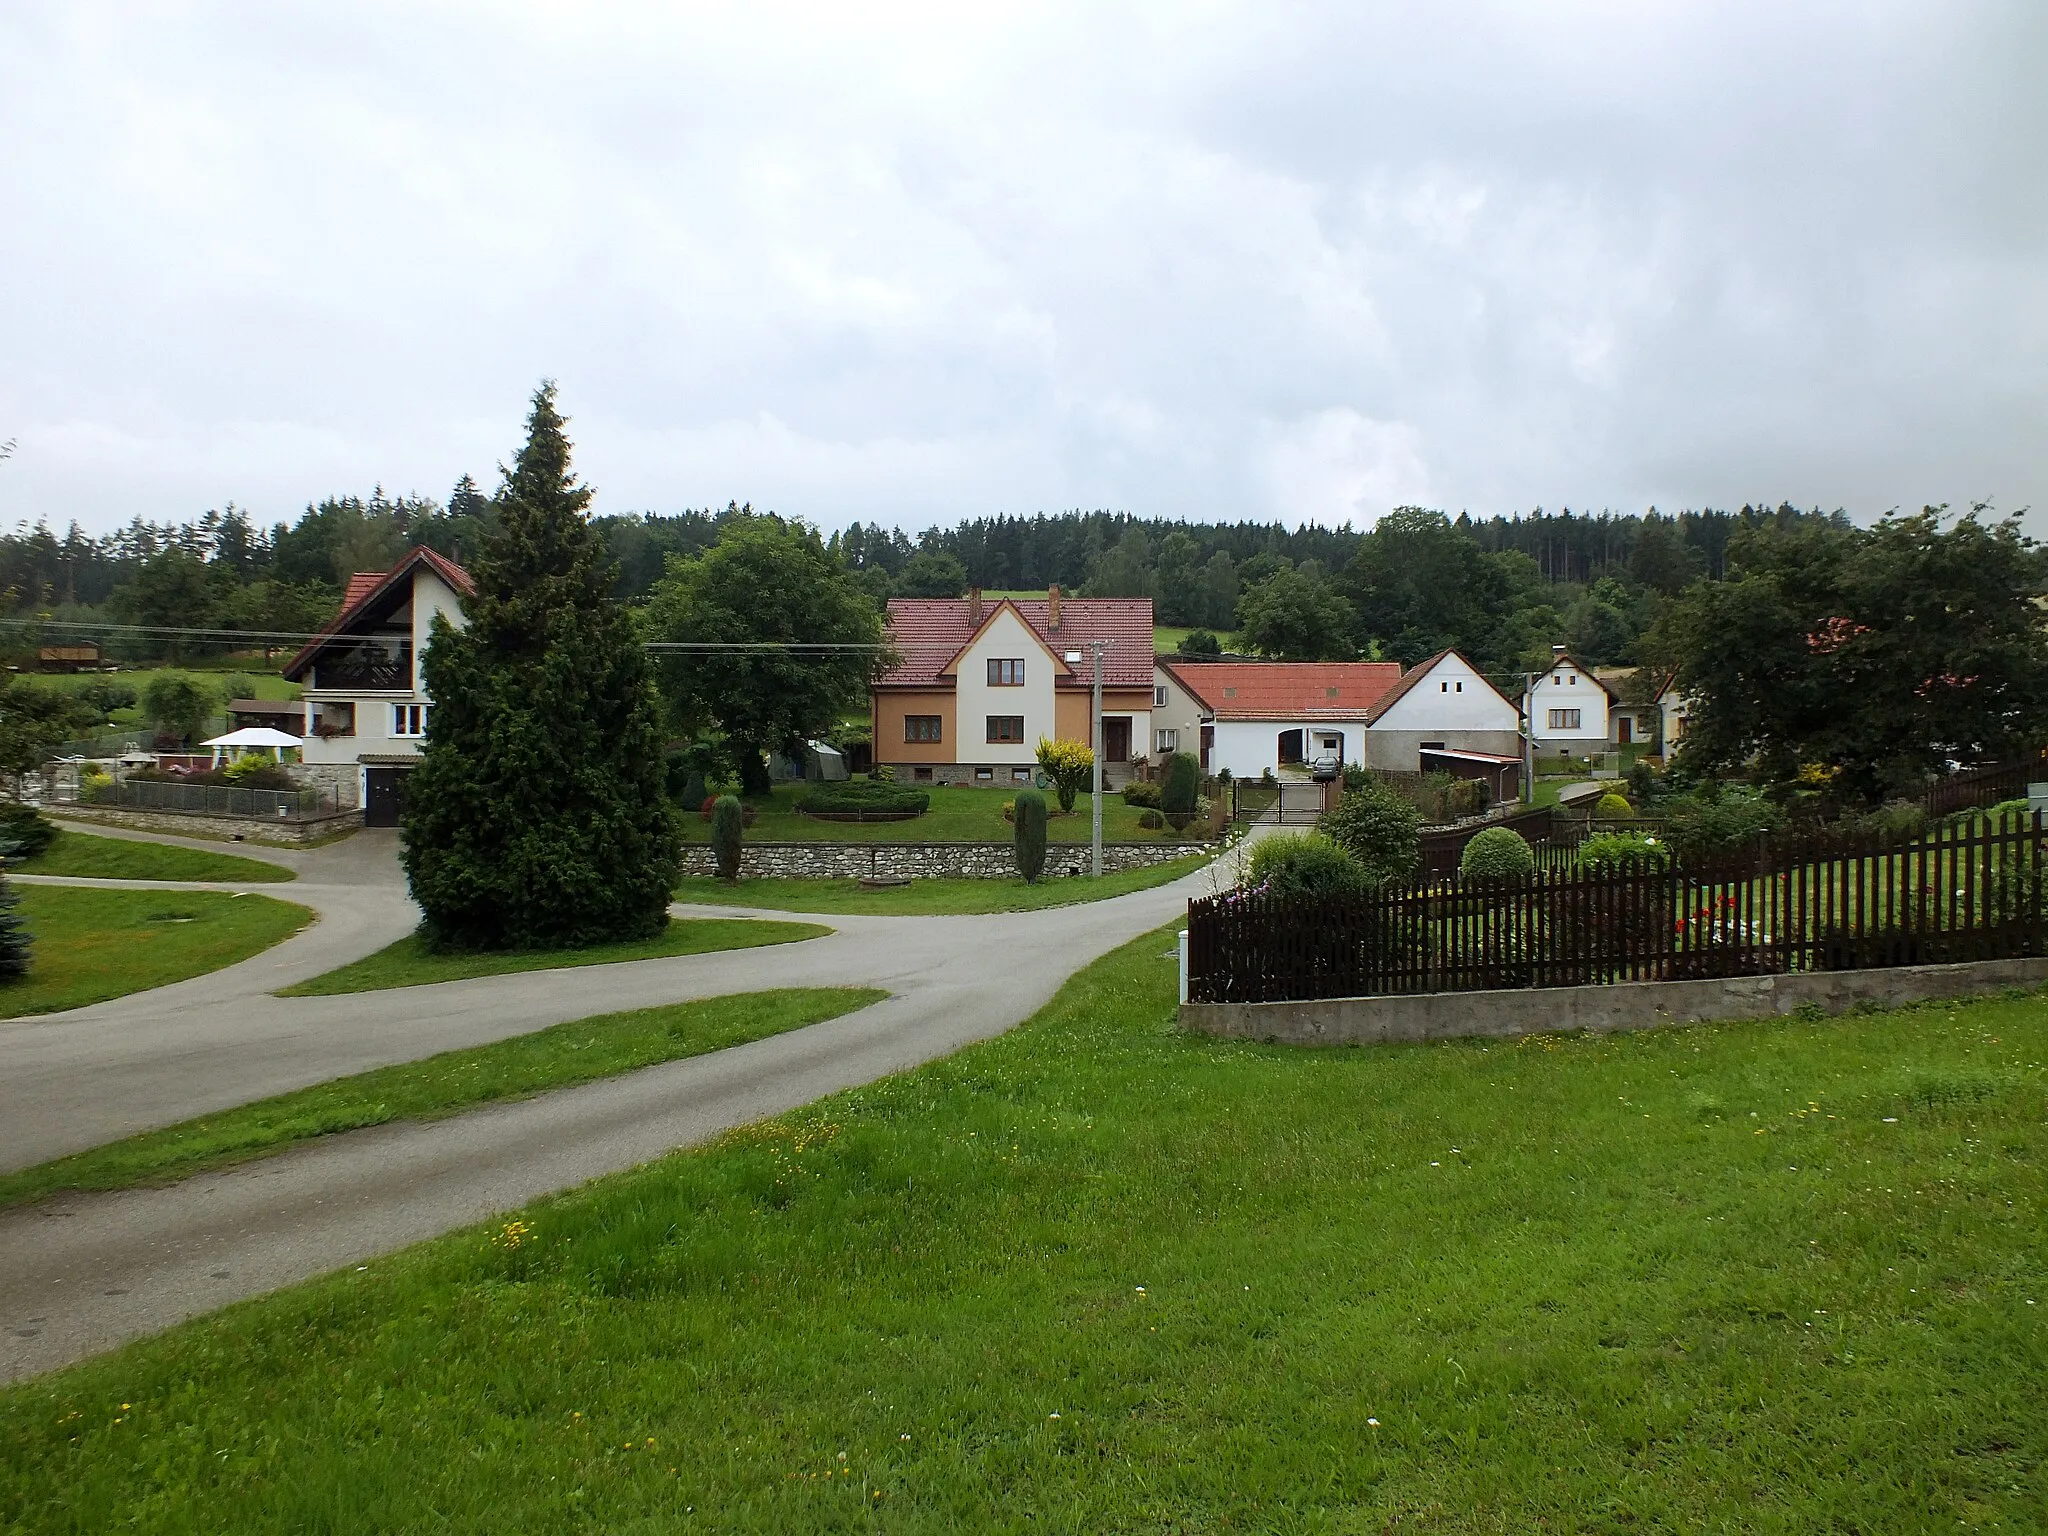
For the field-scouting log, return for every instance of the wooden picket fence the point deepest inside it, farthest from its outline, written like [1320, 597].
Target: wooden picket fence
[1970, 891]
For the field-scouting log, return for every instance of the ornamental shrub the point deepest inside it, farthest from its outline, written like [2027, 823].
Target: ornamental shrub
[1029, 843]
[1608, 853]
[1070, 766]
[710, 807]
[1142, 793]
[27, 828]
[863, 795]
[1151, 820]
[726, 822]
[1696, 826]
[1379, 829]
[1613, 807]
[1183, 784]
[1306, 865]
[17, 946]
[1498, 853]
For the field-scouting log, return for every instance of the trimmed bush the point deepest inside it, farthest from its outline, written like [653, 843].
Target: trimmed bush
[1306, 865]
[727, 818]
[1379, 829]
[863, 795]
[1141, 793]
[17, 946]
[1151, 820]
[1183, 783]
[27, 828]
[1498, 853]
[1607, 853]
[1696, 826]
[710, 807]
[1613, 807]
[1029, 843]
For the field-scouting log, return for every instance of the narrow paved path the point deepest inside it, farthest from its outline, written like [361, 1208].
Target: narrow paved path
[79, 1274]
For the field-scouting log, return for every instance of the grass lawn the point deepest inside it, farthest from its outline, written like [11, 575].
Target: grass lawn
[113, 858]
[931, 898]
[268, 684]
[409, 963]
[1167, 638]
[1094, 1275]
[91, 945]
[579, 1052]
[956, 816]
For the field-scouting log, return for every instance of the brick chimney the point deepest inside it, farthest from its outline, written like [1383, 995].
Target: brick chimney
[1052, 607]
[974, 607]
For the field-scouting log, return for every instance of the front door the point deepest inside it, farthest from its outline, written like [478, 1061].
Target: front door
[1627, 729]
[1116, 738]
[1208, 746]
[383, 796]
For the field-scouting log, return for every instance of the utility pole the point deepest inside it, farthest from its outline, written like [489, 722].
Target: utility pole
[1095, 649]
[1528, 738]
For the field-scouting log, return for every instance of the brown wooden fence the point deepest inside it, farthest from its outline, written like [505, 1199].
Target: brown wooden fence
[1827, 902]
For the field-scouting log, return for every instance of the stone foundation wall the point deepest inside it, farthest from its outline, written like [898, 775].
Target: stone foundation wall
[1625, 1005]
[921, 861]
[254, 829]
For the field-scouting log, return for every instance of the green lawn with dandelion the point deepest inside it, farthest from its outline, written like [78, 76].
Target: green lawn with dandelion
[1096, 1275]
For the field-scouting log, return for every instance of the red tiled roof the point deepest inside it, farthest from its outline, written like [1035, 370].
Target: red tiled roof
[1289, 690]
[364, 587]
[930, 631]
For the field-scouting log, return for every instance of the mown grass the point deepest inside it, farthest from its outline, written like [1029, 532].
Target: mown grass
[1095, 1275]
[112, 858]
[92, 945]
[410, 963]
[932, 898]
[957, 815]
[558, 1057]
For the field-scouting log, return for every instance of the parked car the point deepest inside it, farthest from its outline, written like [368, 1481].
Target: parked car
[1325, 768]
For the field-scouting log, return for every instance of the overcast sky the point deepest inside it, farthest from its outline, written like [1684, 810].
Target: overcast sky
[918, 263]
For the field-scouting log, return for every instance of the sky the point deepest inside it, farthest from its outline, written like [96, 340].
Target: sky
[917, 263]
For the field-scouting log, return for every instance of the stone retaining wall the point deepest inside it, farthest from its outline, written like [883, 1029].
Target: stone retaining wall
[253, 829]
[921, 861]
[1624, 1005]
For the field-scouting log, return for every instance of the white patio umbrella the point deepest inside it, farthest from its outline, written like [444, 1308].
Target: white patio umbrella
[249, 738]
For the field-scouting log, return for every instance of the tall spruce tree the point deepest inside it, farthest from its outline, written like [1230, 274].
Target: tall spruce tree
[536, 817]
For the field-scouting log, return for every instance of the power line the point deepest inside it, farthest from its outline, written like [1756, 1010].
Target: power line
[198, 633]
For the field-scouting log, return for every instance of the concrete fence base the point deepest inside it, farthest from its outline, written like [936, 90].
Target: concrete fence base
[1624, 1005]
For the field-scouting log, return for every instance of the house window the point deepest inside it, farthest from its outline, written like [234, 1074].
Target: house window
[1020, 775]
[1461, 687]
[1159, 695]
[920, 727]
[922, 774]
[984, 775]
[1006, 728]
[1166, 741]
[408, 719]
[1443, 687]
[1564, 719]
[1005, 672]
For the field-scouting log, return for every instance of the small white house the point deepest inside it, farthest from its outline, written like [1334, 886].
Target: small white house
[1567, 708]
[1260, 716]
[366, 709]
[1443, 704]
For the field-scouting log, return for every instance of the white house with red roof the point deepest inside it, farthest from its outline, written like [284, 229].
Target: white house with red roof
[977, 682]
[365, 707]
[1253, 716]
[1265, 715]
[1567, 707]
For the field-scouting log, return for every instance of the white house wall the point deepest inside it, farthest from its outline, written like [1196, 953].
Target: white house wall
[1006, 636]
[1568, 688]
[1180, 713]
[1451, 704]
[1248, 748]
[374, 719]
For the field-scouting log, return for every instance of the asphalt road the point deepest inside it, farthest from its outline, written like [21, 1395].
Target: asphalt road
[82, 1273]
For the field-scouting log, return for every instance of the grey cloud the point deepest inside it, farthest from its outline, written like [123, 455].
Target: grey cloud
[924, 262]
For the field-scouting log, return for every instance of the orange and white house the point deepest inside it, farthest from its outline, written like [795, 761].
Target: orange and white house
[978, 682]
